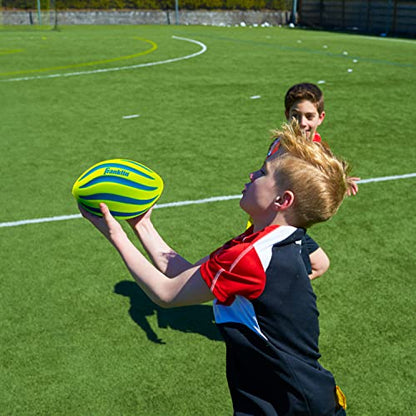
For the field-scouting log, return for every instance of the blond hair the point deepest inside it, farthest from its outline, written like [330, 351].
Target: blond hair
[317, 178]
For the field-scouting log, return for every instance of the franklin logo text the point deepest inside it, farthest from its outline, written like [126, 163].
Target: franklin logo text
[109, 171]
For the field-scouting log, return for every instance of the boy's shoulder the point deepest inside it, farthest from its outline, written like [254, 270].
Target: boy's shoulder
[260, 240]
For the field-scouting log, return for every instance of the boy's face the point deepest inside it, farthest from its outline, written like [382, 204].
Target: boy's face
[260, 193]
[307, 116]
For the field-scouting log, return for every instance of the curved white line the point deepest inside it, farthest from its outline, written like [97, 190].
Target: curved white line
[121, 68]
[182, 203]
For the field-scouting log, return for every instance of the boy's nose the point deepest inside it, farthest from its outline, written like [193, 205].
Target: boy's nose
[251, 176]
[302, 121]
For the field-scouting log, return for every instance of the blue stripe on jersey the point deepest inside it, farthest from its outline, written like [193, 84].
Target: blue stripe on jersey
[240, 311]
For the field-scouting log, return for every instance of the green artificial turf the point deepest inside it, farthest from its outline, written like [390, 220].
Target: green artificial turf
[77, 335]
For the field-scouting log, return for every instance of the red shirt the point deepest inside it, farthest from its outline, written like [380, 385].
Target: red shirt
[276, 144]
[238, 267]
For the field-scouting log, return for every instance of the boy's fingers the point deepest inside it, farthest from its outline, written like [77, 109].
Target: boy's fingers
[134, 221]
[104, 209]
[108, 217]
[106, 213]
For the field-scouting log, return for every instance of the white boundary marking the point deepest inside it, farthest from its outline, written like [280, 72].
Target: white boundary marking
[120, 68]
[388, 178]
[381, 38]
[183, 203]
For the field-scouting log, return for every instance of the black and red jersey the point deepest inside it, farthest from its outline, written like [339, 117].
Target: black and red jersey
[266, 310]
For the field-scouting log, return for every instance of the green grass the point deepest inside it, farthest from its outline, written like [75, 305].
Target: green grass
[77, 337]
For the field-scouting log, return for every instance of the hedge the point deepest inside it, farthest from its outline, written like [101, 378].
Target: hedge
[151, 4]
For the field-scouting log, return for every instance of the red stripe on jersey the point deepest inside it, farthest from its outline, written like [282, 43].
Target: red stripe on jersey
[273, 148]
[236, 269]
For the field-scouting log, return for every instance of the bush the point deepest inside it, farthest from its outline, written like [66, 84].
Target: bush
[152, 4]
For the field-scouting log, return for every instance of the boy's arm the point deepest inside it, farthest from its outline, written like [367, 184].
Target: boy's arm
[319, 263]
[316, 260]
[166, 260]
[186, 288]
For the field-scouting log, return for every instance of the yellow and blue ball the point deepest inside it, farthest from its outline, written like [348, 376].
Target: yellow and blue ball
[128, 188]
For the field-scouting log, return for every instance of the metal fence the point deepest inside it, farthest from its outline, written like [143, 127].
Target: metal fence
[381, 17]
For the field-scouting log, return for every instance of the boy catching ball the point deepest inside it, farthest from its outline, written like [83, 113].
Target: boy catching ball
[264, 304]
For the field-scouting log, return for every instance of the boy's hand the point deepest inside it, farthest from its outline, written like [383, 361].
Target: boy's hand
[142, 219]
[106, 224]
[353, 187]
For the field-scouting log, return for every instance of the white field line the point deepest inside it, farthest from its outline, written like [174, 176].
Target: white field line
[120, 68]
[183, 203]
[381, 38]
[388, 178]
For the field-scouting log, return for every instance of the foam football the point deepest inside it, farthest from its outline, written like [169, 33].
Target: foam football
[128, 188]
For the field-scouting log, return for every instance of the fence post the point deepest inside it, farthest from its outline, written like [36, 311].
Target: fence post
[39, 14]
[176, 12]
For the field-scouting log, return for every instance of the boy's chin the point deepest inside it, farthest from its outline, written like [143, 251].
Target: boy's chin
[243, 206]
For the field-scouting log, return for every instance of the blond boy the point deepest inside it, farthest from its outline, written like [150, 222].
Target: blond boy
[264, 304]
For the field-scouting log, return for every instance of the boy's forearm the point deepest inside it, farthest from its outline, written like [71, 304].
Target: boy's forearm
[151, 280]
[319, 263]
[163, 257]
[185, 288]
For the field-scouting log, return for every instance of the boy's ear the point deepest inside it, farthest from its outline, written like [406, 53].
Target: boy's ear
[321, 117]
[284, 201]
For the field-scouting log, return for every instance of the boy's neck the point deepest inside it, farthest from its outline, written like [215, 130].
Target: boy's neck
[279, 219]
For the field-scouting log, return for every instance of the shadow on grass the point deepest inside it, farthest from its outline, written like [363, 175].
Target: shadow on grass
[192, 319]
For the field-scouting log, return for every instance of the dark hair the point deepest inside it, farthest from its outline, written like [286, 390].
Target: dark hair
[305, 91]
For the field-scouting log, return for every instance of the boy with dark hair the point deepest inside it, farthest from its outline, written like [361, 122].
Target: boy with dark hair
[304, 102]
[264, 304]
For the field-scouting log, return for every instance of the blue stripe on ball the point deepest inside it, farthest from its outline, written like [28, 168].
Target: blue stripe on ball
[138, 164]
[117, 198]
[118, 180]
[117, 166]
[114, 213]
